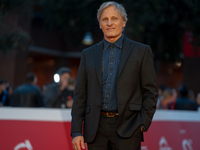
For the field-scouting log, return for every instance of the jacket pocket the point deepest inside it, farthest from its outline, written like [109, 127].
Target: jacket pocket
[87, 109]
[135, 107]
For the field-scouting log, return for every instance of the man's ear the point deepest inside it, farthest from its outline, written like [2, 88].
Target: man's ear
[124, 24]
[100, 26]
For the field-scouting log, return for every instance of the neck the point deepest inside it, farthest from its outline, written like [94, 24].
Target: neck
[112, 39]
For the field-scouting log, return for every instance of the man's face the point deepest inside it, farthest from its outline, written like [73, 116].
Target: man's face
[64, 79]
[2, 87]
[35, 81]
[198, 99]
[111, 24]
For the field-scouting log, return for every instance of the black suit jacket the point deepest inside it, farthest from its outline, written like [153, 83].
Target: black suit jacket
[136, 90]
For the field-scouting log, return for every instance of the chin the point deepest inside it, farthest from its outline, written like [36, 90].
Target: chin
[110, 35]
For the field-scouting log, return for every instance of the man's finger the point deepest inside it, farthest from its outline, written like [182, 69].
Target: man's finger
[82, 144]
[78, 143]
[78, 146]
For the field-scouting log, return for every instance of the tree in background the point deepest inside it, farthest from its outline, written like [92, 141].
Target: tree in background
[162, 24]
[159, 23]
[72, 17]
[12, 38]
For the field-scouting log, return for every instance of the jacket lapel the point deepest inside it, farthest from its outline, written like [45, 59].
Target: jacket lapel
[126, 49]
[98, 60]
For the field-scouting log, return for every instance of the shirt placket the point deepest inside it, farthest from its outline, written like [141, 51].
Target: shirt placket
[105, 65]
[110, 77]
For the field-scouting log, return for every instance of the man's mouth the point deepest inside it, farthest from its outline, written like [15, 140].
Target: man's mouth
[110, 28]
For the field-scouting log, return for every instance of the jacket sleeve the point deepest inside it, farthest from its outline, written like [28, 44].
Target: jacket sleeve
[80, 96]
[149, 88]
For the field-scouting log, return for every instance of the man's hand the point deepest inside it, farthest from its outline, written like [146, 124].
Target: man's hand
[78, 143]
[63, 85]
[141, 129]
[69, 103]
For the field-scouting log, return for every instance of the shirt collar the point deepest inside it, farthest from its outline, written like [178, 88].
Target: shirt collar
[117, 43]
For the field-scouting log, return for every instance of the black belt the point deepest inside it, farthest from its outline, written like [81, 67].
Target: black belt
[109, 114]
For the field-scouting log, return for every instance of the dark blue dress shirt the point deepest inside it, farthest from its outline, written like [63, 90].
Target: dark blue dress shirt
[110, 63]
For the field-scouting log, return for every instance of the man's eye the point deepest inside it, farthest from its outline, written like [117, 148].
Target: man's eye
[104, 19]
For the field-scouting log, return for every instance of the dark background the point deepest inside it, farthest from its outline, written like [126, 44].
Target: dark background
[43, 35]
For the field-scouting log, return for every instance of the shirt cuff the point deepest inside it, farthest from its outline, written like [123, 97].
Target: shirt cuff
[76, 134]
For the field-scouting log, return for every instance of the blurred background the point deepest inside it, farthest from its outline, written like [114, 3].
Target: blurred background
[42, 36]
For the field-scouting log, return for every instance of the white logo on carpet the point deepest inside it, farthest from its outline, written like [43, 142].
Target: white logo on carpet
[163, 144]
[187, 144]
[26, 144]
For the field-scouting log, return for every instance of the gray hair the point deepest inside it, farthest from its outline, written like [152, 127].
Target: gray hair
[119, 7]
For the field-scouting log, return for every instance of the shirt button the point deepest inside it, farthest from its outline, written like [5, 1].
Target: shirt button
[110, 73]
[109, 84]
[111, 63]
[105, 106]
[112, 53]
[107, 95]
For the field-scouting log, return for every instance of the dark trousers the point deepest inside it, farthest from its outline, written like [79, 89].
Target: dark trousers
[108, 139]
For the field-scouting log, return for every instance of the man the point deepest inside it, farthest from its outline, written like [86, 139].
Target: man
[4, 96]
[183, 102]
[116, 89]
[28, 94]
[57, 95]
[168, 100]
[198, 101]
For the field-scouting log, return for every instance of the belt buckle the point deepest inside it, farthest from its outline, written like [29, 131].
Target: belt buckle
[109, 114]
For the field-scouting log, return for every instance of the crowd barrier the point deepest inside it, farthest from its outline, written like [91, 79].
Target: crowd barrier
[49, 129]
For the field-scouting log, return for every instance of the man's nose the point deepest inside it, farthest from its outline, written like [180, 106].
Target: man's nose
[109, 23]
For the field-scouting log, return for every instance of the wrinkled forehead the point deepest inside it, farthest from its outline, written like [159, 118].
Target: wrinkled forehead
[112, 11]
